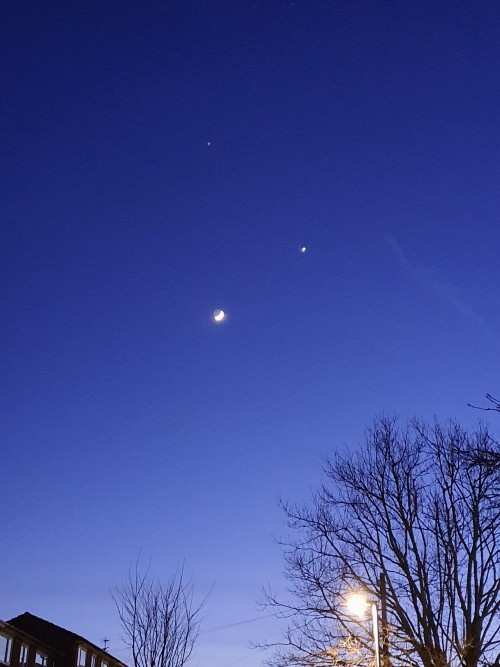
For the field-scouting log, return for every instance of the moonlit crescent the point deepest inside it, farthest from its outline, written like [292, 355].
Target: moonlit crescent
[219, 315]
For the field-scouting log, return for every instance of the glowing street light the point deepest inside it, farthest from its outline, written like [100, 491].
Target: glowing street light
[358, 603]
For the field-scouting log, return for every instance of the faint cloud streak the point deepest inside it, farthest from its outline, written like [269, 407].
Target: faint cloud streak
[430, 278]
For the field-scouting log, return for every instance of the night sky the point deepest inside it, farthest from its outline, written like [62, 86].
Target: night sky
[161, 160]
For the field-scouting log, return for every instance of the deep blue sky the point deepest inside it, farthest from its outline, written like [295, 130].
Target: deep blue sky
[130, 422]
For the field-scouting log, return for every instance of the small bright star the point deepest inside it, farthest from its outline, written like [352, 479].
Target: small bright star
[303, 250]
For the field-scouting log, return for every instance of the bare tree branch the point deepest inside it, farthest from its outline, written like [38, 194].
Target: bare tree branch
[494, 401]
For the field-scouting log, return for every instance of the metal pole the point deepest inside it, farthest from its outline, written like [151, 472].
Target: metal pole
[376, 634]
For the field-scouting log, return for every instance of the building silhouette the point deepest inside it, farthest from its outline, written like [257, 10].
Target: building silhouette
[29, 641]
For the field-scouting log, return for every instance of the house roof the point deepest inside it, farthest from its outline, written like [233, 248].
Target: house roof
[8, 627]
[53, 635]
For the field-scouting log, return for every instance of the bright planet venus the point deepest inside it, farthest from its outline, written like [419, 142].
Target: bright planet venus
[219, 315]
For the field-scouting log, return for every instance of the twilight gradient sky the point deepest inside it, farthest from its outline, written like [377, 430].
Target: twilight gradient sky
[130, 422]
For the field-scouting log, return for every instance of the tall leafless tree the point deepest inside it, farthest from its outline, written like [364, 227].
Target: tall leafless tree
[160, 622]
[416, 509]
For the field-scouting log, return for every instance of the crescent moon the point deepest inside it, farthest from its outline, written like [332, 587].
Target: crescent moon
[219, 315]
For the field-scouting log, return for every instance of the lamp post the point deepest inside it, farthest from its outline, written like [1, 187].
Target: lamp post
[376, 638]
[357, 604]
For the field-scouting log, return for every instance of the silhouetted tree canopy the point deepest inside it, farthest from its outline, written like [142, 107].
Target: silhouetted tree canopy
[159, 620]
[418, 509]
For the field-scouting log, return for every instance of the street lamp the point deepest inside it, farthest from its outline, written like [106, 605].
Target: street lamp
[357, 604]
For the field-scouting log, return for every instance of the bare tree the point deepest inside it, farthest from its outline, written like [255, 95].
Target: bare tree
[415, 510]
[160, 622]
